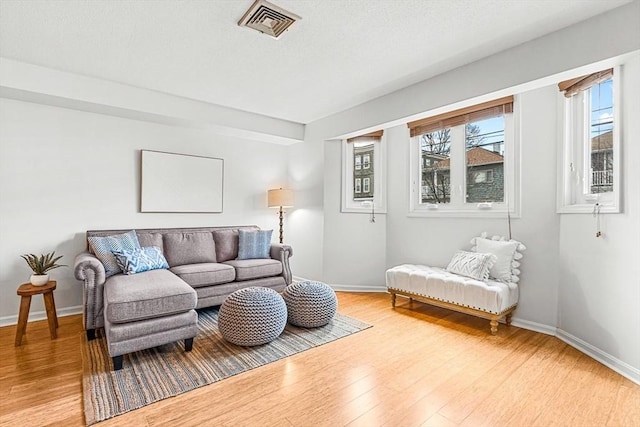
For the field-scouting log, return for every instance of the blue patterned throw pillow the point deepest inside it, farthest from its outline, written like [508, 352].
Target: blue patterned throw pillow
[254, 244]
[138, 260]
[103, 248]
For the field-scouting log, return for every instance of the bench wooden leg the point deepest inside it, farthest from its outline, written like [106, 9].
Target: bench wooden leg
[508, 319]
[393, 299]
[494, 326]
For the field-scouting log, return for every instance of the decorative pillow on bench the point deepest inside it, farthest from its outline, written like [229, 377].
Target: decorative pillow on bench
[507, 255]
[471, 264]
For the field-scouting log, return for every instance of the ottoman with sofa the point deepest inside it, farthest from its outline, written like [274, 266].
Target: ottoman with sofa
[143, 285]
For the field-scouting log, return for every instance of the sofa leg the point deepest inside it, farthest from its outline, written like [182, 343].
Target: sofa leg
[117, 362]
[188, 344]
[91, 334]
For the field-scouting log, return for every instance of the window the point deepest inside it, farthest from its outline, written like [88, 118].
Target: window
[363, 173]
[462, 162]
[365, 185]
[590, 154]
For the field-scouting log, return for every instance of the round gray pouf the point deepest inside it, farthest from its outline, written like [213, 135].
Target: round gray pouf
[252, 316]
[310, 304]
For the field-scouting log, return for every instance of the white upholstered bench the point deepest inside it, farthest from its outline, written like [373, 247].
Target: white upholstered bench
[482, 282]
[488, 299]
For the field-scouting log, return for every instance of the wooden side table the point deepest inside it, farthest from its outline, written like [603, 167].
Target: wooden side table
[26, 291]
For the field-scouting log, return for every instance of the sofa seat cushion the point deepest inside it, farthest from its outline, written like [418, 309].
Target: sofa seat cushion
[147, 295]
[248, 269]
[205, 274]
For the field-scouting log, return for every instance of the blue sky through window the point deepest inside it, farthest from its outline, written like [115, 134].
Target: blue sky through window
[601, 108]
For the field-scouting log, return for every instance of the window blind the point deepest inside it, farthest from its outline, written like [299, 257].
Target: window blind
[486, 110]
[376, 134]
[572, 86]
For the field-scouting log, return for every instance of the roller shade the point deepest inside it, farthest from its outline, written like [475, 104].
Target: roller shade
[486, 110]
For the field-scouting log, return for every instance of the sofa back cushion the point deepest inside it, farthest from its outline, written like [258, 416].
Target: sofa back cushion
[150, 239]
[226, 244]
[189, 248]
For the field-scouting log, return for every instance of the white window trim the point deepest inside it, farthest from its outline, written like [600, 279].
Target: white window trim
[567, 201]
[458, 176]
[379, 180]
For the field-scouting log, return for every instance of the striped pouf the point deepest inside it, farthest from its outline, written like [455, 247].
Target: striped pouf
[252, 316]
[310, 304]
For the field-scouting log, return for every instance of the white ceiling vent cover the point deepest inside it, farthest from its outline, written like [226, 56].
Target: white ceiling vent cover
[268, 18]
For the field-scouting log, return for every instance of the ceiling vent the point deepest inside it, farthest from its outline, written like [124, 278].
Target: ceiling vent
[268, 18]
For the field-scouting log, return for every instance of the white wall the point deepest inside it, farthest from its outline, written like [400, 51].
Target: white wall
[600, 277]
[64, 171]
[354, 250]
[530, 69]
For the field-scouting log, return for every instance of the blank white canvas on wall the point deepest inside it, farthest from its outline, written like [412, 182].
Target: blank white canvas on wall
[181, 183]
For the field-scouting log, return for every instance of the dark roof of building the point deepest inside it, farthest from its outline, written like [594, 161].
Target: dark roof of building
[475, 157]
[604, 141]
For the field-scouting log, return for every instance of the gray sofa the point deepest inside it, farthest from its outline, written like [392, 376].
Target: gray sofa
[204, 258]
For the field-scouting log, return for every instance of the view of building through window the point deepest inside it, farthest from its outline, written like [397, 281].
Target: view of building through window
[363, 170]
[484, 147]
[601, 137]
[484, 143]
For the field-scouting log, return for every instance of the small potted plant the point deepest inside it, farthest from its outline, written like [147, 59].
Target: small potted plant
[40, 265]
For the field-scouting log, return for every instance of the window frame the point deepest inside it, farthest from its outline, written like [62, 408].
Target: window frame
[458, 176]
[348, 205]
[575, 150]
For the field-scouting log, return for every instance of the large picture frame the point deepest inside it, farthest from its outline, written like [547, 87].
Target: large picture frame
[172, 182]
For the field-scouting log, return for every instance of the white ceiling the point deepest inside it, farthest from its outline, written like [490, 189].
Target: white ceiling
[342, 52]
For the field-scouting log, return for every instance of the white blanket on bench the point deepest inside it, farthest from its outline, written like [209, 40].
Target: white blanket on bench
[490, 296]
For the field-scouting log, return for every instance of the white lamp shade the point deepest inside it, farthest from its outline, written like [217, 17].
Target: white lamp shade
[280, 197]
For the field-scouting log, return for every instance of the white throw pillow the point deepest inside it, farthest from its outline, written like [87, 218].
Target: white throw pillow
[471, 264]
[506, 266]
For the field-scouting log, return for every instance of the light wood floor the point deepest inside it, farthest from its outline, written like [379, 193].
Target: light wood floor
[417, 366]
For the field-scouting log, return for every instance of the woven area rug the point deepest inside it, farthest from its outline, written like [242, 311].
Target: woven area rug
[151, 375]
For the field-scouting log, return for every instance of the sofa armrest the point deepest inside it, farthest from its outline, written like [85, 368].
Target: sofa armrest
[282, 253]
[90, 270]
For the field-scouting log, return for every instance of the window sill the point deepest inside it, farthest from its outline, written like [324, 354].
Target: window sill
[461, 213]
[363, 210]
[587, 208]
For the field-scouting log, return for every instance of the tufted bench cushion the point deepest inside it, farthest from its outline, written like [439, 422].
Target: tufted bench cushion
[433, 282]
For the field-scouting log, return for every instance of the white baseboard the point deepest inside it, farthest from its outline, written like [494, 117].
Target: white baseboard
[624, 369]
[41, 315]
[357, 288]
[347, 288]
[534, 326]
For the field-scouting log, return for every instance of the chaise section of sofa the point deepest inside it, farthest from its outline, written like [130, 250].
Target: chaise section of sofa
[203, 257]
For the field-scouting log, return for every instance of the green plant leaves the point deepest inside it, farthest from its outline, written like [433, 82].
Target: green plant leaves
[43, 263]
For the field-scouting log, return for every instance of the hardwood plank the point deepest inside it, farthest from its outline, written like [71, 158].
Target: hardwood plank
[419, 365]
